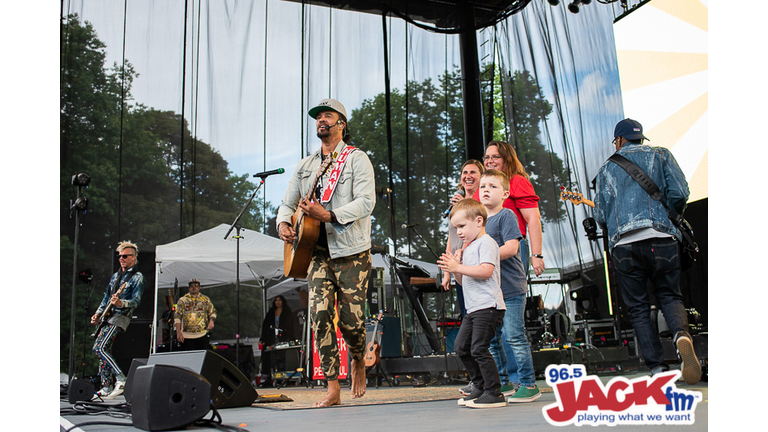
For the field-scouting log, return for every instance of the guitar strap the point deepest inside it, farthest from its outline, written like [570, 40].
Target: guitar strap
[646, 183]
[333, 179]
[121, 277]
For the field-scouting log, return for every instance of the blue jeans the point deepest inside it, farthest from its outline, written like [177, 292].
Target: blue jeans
[656, 260]
[510, 348]
[475, 334]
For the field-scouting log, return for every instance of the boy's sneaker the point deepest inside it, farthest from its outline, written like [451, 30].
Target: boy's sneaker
[525, 394]
[119, 386]
[470, 397]
[509, 389]
[466, 391]
[689, 362]
[659, 369]
[488, 400]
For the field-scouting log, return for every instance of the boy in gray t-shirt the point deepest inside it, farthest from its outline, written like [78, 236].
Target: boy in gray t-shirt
[476, 268]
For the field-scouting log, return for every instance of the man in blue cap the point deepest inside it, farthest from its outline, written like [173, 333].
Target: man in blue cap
[341, 260]
[644, 243]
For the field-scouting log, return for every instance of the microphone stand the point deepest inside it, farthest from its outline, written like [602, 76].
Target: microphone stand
[447, 378]
[236, 225]
[424, 241]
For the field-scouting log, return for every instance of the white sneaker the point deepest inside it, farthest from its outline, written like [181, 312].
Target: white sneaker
[104, 392]
[119, 386]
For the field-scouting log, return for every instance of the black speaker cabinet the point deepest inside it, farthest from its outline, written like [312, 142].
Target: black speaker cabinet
[229, 387]
[168, 397]
[128, 390]
[80, 390]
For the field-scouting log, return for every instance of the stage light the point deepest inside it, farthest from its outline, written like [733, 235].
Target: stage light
[80, 204]
[81, 179]
[574, 6]
[585, 298]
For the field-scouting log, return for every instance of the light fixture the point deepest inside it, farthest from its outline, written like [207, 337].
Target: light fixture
[554, 2]
[574, 6]
[81, 180]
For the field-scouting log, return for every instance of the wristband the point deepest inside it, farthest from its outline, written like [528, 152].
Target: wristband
[540, 256]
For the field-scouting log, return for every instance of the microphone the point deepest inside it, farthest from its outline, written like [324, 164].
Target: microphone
[269, 173]
[406, 226]
[448, 211]
[335, 124]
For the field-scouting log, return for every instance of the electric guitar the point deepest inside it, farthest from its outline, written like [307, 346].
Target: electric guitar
[373, 352]
[576, 198]
[105, 315]
[298, 255]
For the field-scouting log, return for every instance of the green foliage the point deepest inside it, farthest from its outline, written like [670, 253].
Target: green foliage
[152, 181]
[428, 151]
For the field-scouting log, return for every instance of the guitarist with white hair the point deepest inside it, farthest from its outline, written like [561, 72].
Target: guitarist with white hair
[325, 220]
[122, 296]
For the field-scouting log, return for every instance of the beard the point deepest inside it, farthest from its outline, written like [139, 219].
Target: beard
[323, 133]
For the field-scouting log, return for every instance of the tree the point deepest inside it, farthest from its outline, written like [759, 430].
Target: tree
[152, 181]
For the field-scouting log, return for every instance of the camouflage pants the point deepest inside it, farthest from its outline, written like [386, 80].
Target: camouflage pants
[343, 280]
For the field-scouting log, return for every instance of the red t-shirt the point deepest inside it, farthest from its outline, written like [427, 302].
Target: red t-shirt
[521, 195]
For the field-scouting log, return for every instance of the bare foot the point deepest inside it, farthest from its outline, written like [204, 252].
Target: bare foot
[333, 397]
[358, 378]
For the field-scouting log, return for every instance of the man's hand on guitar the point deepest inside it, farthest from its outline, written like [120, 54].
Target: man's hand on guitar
[95, 318]
[116, 301]
[315, 211]
[286, 233]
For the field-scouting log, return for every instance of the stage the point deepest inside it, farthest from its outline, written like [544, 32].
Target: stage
[405, 407]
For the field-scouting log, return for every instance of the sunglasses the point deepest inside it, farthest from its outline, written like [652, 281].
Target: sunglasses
[125, 256]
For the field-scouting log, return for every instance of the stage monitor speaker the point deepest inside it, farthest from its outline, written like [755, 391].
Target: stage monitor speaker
[229, 386]
[80, 390]
[390, 339]
[128, 390]
[168, 397]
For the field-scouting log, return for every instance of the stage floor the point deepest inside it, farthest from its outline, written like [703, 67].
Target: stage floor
[401, 408]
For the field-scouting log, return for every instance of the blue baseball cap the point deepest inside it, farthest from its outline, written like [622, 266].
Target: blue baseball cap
[629, 129]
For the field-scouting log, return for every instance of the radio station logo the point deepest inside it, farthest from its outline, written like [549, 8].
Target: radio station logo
[584, 400]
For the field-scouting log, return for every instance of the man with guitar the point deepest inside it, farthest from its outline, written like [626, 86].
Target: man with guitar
[123, 295]
[643, 241]
[325, 220]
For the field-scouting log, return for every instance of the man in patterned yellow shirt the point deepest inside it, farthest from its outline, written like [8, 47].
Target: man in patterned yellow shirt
[194, 318]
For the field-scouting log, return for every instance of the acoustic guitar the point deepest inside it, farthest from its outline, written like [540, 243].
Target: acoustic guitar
[576, 198]
[298, 255]
[373, 351]
[105, 315]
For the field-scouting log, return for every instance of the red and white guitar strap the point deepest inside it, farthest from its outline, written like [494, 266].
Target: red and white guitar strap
[333, 179]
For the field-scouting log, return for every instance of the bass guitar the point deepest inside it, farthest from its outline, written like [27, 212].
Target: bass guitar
[105, 315]
[575, 197]
[373, 351]
[298, 255]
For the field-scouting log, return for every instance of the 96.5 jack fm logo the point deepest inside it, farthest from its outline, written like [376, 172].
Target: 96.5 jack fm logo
[584, 400]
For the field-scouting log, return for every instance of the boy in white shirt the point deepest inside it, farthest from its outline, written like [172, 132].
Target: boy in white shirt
[476, 268]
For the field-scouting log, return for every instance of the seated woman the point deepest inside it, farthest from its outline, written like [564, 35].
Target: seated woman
[280, 325]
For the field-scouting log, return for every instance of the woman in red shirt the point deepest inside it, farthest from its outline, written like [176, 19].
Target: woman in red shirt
[499, 155]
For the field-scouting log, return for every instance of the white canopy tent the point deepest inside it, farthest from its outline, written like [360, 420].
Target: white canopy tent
[211, 259]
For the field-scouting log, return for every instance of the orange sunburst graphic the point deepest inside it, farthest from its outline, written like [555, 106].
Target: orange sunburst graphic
[663, 63]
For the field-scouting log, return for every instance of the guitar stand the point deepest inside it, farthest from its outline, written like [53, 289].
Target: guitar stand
[380, 373]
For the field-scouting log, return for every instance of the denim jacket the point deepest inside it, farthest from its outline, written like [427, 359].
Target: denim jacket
[622, 205]
[131, 297]
[352, 201]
